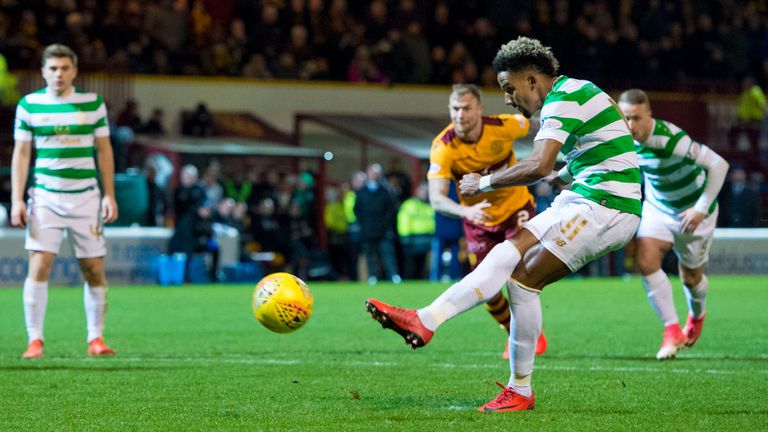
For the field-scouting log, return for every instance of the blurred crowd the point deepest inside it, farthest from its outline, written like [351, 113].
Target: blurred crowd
[272, 213]
[654, 44]
[378, 226]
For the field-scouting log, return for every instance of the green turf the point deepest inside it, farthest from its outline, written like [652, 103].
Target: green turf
[194, 358]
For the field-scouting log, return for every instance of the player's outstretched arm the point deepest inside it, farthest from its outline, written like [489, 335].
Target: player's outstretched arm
[535, 167]
[107, 170]
[443, 204]
[22, 153]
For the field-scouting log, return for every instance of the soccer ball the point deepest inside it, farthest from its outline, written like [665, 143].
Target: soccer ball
[282, 302]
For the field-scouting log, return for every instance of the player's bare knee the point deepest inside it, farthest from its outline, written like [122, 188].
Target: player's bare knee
[39, 268]
[92, 275]
[40, 274]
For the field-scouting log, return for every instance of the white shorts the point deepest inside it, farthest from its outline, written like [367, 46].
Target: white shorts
[692, 249]
[49, 214]
[577, 230]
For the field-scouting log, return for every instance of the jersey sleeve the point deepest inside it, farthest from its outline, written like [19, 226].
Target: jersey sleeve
[101, 127]
[440, 161]
[552, 124]
[680, 144]
[22, 129]
[516, 125]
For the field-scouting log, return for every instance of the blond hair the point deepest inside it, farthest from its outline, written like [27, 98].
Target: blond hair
[460, 90]
[634, 97]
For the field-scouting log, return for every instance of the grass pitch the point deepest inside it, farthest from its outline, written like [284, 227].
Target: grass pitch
[194, 358]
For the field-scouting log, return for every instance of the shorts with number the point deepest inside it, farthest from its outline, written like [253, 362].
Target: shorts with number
[692, 249]
[577, 230]
[49, 214]
[481, 239]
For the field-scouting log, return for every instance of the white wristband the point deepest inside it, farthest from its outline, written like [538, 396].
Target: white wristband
[485, 183]
[564, 175]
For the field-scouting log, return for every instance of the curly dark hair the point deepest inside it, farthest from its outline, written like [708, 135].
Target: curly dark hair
[525, 53]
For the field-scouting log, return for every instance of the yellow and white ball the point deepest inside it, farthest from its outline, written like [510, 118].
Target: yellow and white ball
[282, 302]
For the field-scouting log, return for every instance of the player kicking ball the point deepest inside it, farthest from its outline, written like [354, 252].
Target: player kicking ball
[474, 142]
[682, 180]
[599, 214]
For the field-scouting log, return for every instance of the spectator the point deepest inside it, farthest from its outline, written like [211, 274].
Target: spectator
[213, 190]
[158, 202]
[129, 116]
[188, 206]
[239, 189]
[740, 201]
[418, 50]
[750, 113]
[204, 239]
[337, 225]
[301, 236]
[154, 125]
[354, 233]
[304, 196]
[416, 228]
[9, 94]
[228, 213]
[375, 209]
[265, 185]
[398, 179]
[256, 67]
[201, 122]
[363, 68]
[266, 230]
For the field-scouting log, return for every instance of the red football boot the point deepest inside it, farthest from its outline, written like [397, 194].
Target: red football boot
[508, 400]
[673, 341]
[692, 329]
[406, 322]
[34, 349]
[97, 347]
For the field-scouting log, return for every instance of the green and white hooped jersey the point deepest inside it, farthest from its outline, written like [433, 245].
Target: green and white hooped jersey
[63, 132]
[673, 181]
[597, 144]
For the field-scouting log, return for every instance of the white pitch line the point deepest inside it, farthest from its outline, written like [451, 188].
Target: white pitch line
[243, 360]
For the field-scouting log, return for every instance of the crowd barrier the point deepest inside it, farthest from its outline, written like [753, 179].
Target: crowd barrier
[132, 256]
[134, 253]
[739, 251]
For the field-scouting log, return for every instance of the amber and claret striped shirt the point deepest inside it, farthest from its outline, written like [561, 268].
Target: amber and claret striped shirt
[451, 158]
